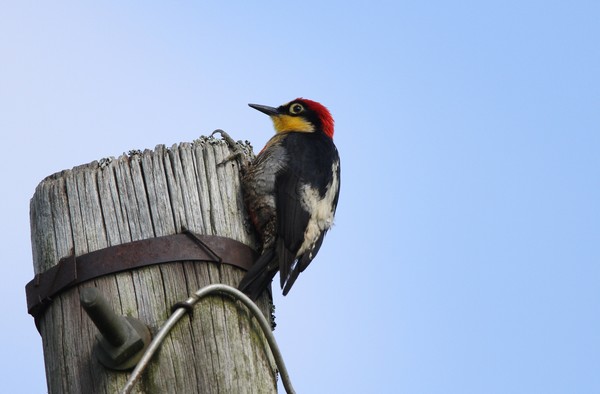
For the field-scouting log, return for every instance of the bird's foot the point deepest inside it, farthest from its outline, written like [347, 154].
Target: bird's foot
[238, 154]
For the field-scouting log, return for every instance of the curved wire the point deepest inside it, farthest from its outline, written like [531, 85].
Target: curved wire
[181, 311]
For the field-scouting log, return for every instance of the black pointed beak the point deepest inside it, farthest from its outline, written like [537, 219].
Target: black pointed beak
[265, 109]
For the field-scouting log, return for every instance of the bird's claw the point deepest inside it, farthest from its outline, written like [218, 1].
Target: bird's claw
[238, 153]
[232, 144]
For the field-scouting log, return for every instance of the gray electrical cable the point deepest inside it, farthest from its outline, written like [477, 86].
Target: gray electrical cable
[180, 312]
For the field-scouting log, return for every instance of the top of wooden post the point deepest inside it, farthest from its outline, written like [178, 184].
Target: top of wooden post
[136, 196]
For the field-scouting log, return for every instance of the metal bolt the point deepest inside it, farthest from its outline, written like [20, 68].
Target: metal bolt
[122, 340]
[112, 326]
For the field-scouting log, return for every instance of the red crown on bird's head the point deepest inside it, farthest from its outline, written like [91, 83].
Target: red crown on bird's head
[322, 113]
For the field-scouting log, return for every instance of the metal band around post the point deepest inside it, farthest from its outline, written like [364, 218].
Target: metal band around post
[188, 246]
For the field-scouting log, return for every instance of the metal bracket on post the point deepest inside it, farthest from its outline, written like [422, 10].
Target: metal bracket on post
[122, 339]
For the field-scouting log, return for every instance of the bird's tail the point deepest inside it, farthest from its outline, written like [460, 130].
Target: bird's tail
[259, 276]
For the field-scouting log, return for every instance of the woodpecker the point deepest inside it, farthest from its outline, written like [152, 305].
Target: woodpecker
[291, 192]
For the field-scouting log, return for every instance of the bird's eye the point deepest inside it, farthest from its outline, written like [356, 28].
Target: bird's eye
[295, 109]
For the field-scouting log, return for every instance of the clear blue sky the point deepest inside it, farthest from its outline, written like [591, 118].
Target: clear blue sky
[466, 252]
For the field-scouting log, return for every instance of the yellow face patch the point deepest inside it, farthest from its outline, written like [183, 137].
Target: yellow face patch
[285, 123]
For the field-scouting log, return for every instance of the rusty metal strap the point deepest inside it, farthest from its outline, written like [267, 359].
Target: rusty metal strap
[187, 246]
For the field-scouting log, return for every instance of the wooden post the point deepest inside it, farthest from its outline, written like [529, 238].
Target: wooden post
[220, 349]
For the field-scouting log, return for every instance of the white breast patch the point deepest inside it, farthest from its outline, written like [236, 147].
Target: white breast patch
[321, 210]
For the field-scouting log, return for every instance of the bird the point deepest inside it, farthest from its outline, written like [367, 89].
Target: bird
[291, 192]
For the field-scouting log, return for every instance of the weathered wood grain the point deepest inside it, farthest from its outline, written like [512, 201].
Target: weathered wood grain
[137, 196]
